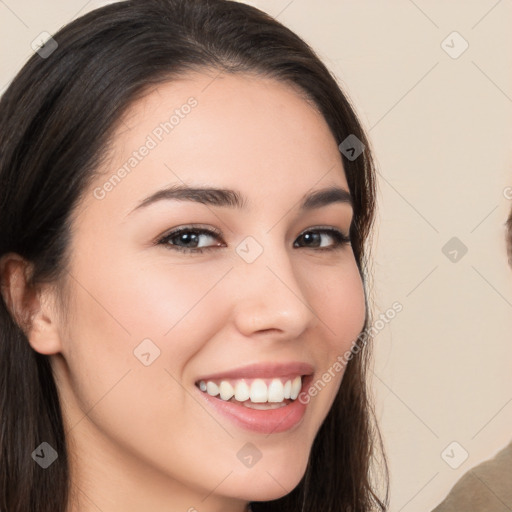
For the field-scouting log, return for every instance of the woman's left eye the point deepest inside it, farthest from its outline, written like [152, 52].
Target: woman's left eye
[187, 239]
[315, 235]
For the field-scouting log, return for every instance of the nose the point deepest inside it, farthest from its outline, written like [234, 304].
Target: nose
[269, 296]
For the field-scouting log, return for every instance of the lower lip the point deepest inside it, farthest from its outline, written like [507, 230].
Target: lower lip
[270, 421]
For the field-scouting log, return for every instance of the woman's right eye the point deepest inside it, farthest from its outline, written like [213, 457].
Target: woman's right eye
[190, 238]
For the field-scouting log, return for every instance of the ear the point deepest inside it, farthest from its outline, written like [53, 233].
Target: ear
[32, 307]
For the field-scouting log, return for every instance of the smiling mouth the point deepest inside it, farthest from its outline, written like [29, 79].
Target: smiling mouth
[271, 393]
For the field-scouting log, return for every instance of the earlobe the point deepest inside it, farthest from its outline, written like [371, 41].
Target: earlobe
[32, 307]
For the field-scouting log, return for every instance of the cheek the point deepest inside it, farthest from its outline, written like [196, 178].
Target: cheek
[340, 304]
[138, 301]
[124, 310]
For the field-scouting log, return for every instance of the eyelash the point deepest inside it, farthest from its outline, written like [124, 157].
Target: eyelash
[340, 238]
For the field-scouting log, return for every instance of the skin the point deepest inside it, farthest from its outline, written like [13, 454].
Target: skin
[138, 438]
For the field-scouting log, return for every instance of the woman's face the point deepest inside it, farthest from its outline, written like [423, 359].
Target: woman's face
[157, 326]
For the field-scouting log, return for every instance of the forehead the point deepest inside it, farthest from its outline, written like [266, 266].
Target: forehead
[237, 131]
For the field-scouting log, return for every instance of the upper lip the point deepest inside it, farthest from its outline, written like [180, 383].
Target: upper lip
[263, 370]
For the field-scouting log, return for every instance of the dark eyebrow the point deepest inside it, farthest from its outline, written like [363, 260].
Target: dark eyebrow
[234, 199]
[326, 196]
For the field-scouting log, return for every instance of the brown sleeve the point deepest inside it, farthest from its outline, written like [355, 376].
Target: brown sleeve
[485, 488]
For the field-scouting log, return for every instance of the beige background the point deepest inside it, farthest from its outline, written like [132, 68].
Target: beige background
[441, 128]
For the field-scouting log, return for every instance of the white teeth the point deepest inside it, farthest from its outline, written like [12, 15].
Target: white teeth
[296, 385]
[242, 392]
[226, 390]
[212, 388]
[276, 391]
[258, 392]
[287, 389]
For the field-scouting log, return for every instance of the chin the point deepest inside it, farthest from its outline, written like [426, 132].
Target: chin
[270, 481]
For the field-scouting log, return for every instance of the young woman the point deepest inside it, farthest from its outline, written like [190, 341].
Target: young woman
[186, 196]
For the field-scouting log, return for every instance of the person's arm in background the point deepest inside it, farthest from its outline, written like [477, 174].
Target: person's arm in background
[484, 488]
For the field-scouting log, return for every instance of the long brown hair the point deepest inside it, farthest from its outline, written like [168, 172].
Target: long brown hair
[56, 118]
